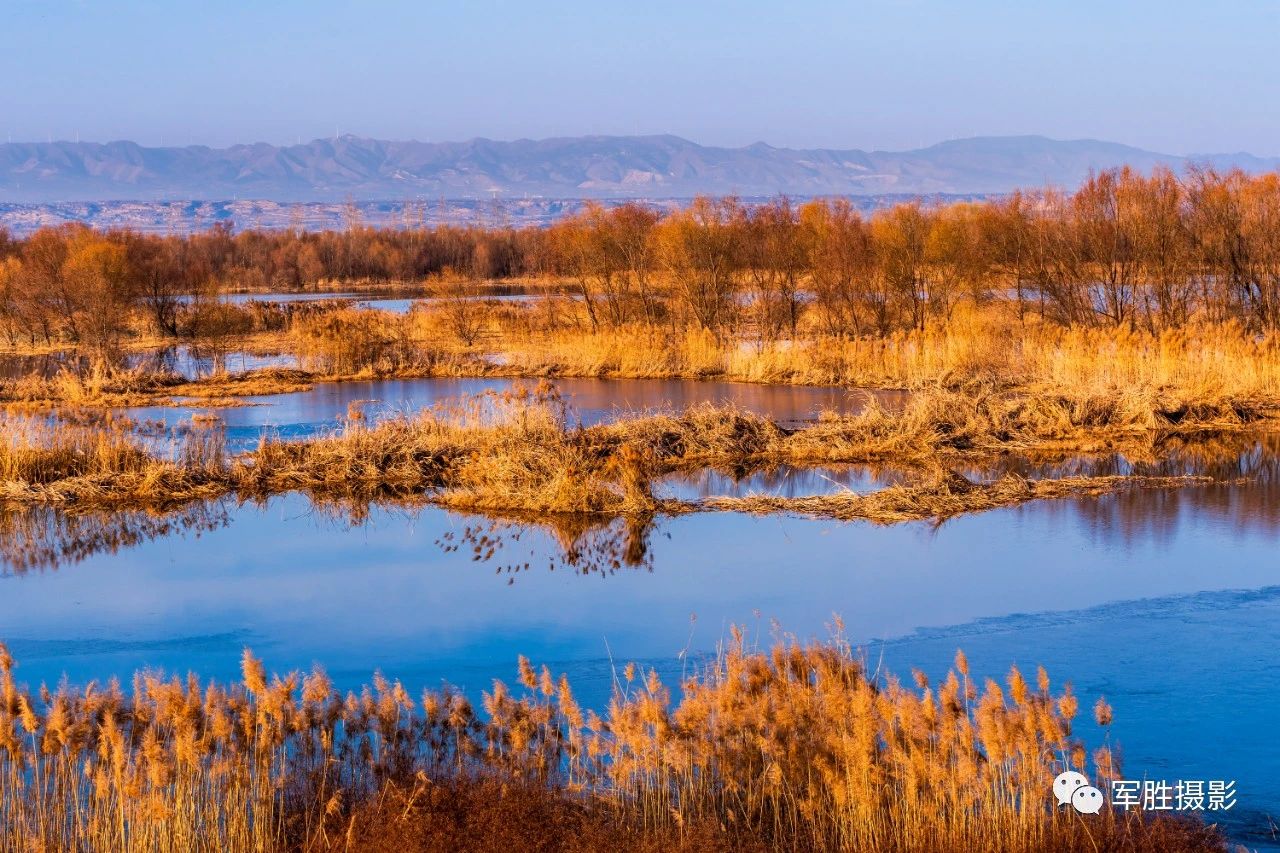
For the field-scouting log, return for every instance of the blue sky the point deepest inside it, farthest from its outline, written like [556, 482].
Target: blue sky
[1176, 77]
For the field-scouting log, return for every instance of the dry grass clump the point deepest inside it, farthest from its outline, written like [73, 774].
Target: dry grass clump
[796, 747]
[938, 423]
[702, 433]
[352, 340]
[101, 385]
[512, 451]
[251, 383]
[59, 463]
[39, 452]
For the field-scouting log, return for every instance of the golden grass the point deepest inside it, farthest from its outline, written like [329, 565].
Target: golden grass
[499, 451]
[64, 464]
[37, 452]
[985, 345]
[518, 452]
[977, 347]
[795, 747]
[102, 385]
[349, 340]
[252, 383]
[136, 388]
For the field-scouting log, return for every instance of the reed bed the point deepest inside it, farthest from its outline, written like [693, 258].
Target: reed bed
[46, 462]
[39, 452]
[986, 345]
[977, 346]
[519, 451]
[515, 450]
[799, 746]
[102, 385]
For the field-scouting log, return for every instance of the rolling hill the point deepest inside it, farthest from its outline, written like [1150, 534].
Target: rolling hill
[570, 167]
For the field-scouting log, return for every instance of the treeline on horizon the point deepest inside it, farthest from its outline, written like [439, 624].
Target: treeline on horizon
[1150, 251]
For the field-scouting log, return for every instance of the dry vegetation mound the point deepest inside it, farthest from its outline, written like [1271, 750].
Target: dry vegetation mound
[521, 452]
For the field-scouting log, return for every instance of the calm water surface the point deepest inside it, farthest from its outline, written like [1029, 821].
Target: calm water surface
[371, 299]
[1166, 602]
[400, 304]
[191, 362]
[324, 408]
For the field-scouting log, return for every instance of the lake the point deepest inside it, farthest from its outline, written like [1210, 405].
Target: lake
[1165, 601]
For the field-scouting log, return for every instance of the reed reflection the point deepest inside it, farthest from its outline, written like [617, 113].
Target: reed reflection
[41, 538]
[1245, 497]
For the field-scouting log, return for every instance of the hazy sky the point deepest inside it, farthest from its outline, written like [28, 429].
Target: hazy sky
[1172, 76]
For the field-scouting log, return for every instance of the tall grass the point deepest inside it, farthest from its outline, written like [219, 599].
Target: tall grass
[516, 450]
[795, 747]
[40, 452]
[984, 345]
[351, 341]
[55, 462]
[100, 385]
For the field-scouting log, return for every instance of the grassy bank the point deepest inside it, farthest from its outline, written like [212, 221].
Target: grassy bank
[986, 347]
[794, 747]
[977, 345]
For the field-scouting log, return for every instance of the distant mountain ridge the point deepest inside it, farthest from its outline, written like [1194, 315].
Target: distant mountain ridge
[567, 167]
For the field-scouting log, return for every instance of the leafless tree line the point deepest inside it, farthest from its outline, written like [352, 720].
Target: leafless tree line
[1150, 251]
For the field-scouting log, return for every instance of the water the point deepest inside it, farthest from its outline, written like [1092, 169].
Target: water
[1166, 602]
[192, 362]
[374, 299]
[324, 408]
[196, 362]
[400, 304]
[786, 481]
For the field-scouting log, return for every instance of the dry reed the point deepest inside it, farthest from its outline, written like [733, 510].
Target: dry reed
[520, 452]
[988, 345]
[985, 347]
[795, 747]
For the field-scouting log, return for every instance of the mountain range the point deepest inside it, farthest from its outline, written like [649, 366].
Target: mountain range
[351, 167]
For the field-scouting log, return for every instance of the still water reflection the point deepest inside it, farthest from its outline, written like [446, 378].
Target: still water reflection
[1167, 602]
[191, 362]
[324, 407]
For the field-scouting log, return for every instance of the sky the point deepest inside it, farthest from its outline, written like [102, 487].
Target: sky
[1172, 76]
